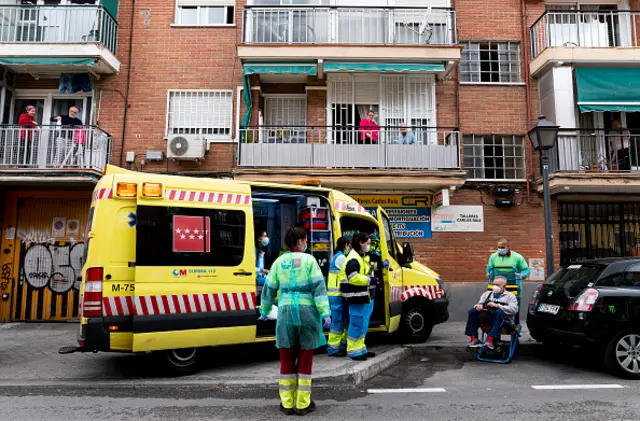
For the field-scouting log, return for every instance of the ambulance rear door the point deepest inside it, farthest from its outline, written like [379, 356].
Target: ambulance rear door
[195, 266]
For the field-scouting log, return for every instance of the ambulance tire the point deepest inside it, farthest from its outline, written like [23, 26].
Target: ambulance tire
[416, 325]
[182, 361]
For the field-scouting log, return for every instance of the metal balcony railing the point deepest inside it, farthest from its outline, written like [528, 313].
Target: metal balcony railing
[611, 28]
[349, 25]
[596, 150]
[54, 147]
[328, 147]
[58, 24]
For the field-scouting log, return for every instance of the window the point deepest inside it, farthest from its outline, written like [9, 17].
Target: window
[388, 233]
[572, 280]
[200, 113]
[628, 279]
[490, 62]
[285, 118]
[494, 157]
[205, 12]
[164, 237]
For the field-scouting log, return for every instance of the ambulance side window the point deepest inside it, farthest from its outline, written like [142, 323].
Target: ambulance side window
[169, 236]
[388, 233]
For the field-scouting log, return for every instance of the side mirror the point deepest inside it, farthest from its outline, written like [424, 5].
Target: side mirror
[407, 253]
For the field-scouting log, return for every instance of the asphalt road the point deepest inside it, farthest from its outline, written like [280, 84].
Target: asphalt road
[444, 386]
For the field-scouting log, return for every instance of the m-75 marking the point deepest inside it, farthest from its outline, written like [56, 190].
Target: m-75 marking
[123, 287]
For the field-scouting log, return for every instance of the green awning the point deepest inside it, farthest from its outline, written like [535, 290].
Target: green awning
[111, 6]
[43, 61]
[339, 66]
[607, 89]
[310, 69]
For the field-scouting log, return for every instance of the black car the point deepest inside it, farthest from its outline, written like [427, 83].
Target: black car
[594, 303]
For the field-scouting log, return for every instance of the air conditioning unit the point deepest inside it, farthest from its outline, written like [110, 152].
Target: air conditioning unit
[186, 147]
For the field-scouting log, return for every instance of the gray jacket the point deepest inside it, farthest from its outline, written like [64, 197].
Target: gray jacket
[507, 302]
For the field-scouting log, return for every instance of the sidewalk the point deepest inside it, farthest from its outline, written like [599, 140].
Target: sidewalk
[29, 357]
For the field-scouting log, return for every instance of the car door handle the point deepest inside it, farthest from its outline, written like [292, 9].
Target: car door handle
[243, 273]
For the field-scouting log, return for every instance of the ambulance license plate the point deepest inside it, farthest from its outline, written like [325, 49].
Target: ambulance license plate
[548, 308]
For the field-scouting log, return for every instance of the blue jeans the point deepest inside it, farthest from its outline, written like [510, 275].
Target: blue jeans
[496, 323]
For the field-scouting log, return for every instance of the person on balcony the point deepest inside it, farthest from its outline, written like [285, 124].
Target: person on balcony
[369, 129]
[28, 124]
[619, 144]
[406, 137]
[70, 142]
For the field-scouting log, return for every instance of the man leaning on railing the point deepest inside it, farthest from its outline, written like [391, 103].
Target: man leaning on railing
[70, 143]
[406, 137]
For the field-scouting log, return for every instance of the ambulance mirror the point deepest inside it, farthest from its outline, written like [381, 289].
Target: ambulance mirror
[407, 253]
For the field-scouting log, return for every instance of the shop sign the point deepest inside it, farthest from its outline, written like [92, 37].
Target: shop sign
[410, 215]
[441, 199]
[537, 269]
[458, 219]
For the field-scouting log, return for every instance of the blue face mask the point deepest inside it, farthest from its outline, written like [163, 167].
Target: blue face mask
[304, 248]
[265, 241]
[502, 252]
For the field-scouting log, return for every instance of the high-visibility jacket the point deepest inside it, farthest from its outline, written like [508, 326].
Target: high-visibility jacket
[356, 270]
[336, 276]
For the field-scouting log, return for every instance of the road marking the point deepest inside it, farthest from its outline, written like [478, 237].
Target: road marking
[419, 390]
[577, 386]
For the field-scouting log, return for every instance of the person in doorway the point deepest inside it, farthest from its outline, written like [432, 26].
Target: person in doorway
[619, 144]
[337, 343]
[70, 143]
[498, 304]
[506, 258]
[369, 129]
[69, 120]
[303, 311]
[406, 137]
[28, 124]
[356, 294]
[261, 248]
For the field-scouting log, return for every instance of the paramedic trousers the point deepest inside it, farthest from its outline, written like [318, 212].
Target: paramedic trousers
[359, 317]
[337, 341]
[295, 377]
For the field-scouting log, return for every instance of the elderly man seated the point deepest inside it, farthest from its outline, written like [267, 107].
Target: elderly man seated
[497, 305]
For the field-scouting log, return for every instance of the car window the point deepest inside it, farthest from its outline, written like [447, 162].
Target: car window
[388, 233]
[631, 277]
[572, 279]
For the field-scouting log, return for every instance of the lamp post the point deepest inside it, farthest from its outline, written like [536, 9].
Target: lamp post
[543, 136]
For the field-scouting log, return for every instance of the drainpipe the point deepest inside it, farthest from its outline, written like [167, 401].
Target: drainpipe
[126, 95]
[527, 81]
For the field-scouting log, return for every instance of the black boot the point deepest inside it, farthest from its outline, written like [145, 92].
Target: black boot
[371, 354]
[287, 411]
[362, 357]
[307, 410]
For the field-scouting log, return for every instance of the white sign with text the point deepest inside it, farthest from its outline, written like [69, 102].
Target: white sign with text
[458, 219]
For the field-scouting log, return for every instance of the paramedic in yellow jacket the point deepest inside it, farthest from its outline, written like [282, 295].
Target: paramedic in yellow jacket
[355, 293]
[303, 306]
[337, 343]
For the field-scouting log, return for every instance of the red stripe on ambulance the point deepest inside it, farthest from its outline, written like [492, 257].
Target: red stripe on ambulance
[428, 291]
[151, 305]
[211, 197]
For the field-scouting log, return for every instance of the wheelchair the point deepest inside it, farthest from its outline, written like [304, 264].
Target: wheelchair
[504, 350]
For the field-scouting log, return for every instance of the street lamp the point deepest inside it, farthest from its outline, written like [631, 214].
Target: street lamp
[543, 136]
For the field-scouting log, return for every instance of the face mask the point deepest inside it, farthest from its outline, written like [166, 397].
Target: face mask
[502, 252]
[347, 251]
[497, 290]
[304, 248]
[367, 248]
[265, 242]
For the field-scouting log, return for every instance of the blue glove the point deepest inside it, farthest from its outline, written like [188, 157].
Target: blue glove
[263, 318]
[385, 263]
[327, 323]
[518, 277]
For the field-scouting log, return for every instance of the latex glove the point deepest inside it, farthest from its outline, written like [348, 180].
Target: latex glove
[385, 263]
[518, 277]
[327, 323]
[263, 318]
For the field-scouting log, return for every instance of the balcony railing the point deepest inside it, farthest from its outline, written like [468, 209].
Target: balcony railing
[54, 147]
[596, 150]
[349, 25]
[58, 24]
[326, 147]
[613, 28]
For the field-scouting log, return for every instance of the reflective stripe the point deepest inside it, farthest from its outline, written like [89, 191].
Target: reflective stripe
[287, 386]
[357, 351]
[288, 377]
[304, 377]
[304, 388]
[333, 290]
[355, 294]
[334, 272]
[351, 275]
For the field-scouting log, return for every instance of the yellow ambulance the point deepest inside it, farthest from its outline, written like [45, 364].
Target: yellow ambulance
[170, 263]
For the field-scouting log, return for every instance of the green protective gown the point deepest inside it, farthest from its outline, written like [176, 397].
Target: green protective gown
[302, 303]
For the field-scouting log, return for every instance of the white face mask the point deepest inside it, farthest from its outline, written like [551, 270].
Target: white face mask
[497, 290]
[367, 248]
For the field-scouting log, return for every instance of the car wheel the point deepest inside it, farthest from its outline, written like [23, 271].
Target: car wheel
[622, 355]
[415, 326]
[182, 361]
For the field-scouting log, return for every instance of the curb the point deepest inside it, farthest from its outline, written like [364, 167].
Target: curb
[364, 371]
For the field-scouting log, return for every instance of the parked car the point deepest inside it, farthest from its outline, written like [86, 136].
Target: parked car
[596, 304]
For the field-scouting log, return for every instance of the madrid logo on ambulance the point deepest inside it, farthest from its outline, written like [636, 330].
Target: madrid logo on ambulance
[180, 273]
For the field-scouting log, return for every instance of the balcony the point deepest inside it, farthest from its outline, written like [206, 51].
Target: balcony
[606, 37]
[354, 32]
[50, 38]
[53, 150]
[596, 160]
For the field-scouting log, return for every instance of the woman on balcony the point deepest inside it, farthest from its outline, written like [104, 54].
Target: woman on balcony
[28, 124]
[369, 129]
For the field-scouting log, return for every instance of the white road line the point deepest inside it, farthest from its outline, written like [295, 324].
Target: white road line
[423, 390]
[577, 386]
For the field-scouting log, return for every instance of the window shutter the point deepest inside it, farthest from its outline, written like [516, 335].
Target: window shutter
[205, 2]
[367, 90]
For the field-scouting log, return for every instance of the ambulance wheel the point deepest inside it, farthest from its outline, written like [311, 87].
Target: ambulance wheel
[415, 326]
[182, 361]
